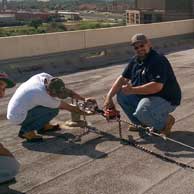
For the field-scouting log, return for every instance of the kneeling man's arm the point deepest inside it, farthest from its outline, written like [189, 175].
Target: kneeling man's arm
[146, 89]
[70, 108]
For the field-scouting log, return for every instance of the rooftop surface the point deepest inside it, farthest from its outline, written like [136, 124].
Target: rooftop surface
[100, 164]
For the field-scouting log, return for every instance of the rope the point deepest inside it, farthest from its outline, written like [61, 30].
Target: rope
[114, 115]
[162, 157]
[149, 131]
[135, 144]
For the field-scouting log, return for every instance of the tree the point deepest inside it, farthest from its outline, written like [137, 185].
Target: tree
[54, 27]
[36, 23]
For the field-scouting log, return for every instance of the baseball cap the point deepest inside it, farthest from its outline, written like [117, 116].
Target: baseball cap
[139, 38]
[57, 88]
[4, 77]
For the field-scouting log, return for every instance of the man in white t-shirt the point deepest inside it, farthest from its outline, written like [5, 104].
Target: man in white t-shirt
[9, 166]
[36, 102]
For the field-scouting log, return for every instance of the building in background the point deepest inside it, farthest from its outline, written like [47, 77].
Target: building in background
[150, 4]
[164, 10]
[6, 18]
[4, 4]
[65, 15]
[178, 10]
[27, 15]
[132, 17]
[87, 6]
[193, 9]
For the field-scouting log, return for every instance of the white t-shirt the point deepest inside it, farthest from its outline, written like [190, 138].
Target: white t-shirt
[30, 94]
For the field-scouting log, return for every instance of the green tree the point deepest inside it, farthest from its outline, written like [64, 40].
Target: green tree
[55, 27]
[36, 23]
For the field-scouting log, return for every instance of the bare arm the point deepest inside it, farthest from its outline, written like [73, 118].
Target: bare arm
[71, 108]
[116, 87]
[77, 96]
[150, 88]
[146, 89]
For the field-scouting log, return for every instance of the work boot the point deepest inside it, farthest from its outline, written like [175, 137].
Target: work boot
[49, 128]
[133, 128]
[170, 122]
[30, 136]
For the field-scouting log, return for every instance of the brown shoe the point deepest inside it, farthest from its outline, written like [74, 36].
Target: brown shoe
[170, 122]
[49, 128]
[31, 136]
[132, 128]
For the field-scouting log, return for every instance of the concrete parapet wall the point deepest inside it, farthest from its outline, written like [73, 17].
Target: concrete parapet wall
[84, 59]
[123, 34]
[35, 45]
[42, 44]
[62, 53]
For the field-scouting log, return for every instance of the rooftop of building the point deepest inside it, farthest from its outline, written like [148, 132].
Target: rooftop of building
[100, 164]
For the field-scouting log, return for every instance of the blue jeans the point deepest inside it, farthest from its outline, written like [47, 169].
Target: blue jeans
[37, 117]
[9, 168]
[150, 111]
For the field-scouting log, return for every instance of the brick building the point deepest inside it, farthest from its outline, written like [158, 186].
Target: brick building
[164, 10]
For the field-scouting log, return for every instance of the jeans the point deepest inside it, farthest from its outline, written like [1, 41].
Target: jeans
[37, 117]
[150, 111]
[9, 168]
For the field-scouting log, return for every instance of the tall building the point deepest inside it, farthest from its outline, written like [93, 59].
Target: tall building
[178, 9]
[150, 4]
[193, 8]
[164, 10]
[4, 4]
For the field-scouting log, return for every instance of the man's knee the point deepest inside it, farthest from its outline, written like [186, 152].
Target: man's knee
[9, 168]
[142, 115]
[50, 112]
[142, 112]
[119, 97]
[54, 112]
[15, 168]
[148, 115]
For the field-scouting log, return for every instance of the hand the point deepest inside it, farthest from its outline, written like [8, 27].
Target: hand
[108, 103]
[89, 113]
[86, 113]
[127, 89]
[90, 100]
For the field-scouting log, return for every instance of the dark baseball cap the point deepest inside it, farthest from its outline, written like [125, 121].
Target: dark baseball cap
[57, 88]
[139, 38]
[4, 77]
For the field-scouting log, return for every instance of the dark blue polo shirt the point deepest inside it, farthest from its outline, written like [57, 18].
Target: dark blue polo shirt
[154, 68]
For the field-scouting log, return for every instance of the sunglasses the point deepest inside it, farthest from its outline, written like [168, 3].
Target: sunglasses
[137, 47]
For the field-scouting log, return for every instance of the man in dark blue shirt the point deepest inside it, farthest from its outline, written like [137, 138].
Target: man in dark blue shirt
[153, 91]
